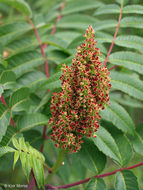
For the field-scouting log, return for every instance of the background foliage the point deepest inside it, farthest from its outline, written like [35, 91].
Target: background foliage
[24, 85]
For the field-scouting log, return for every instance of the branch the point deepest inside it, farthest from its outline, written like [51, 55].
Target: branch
[115, 35]
[58, 18]
[41, 46]
[88, 179]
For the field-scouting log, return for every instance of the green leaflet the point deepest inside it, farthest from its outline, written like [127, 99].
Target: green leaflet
[71, 21]
[77, 6]
[115, 9]
[132, 21]
[91, 157]
[19, 100]
[5, 150]
[105, 143]
[44, 101]
[137, 139]
[53, 82]
[30, 158]
[96, 184]
[16, 157]
[20, 5]
[4, 119]
[116, 114]
[101, 25]
[137, 9]
[7, 79]
[127, 83]
[57, 42]
[21, 45]
[128, 101]
[11, 131]
[107, 9]
[127, 59]
[29, 121]
[126, 180]
[124, 145]
[130, 41]
[10, 31]
[24, 61]
[33, 80]
[67, 36]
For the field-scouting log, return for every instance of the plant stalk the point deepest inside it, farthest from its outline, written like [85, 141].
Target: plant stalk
[115, 35]
[57, 164]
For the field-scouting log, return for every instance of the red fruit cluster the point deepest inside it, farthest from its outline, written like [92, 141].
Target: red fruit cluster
[85, 91]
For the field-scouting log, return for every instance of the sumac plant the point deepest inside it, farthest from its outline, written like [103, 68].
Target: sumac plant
[71, 92]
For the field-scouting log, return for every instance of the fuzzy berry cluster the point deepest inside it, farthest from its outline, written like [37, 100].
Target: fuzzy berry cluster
[85, 91]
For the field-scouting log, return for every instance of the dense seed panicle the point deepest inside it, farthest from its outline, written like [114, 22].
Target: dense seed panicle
[85, 91]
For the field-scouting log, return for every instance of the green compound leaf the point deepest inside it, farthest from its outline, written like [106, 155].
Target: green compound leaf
[117, 115]
[96, 184]
[30, 158]
[128, 59]
[19, 100]
[126, 180]
[106, 144]
[29, 121]
[91, 157]
[4, 119]
[20, 5]
[7, 79]
[127, 83]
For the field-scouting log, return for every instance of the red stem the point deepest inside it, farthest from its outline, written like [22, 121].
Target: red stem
[58, 18]
[116, 32]
[113, 67]
[88, 179]
[41, 46]
[12, 122]
[3, 101]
